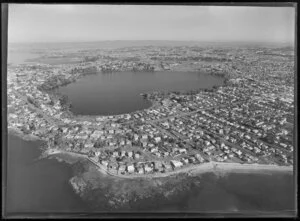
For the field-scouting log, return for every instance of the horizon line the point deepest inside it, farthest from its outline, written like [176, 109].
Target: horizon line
[196, 41]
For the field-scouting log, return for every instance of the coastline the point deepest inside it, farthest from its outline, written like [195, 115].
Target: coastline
[27, 137]
[193, 170]
[216, 167]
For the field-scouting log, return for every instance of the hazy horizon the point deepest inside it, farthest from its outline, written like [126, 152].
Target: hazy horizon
[42, 23]
[75, 42]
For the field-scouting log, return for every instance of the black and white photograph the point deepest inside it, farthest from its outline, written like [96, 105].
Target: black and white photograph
[149, 110]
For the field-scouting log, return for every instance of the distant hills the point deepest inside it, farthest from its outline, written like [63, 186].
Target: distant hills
[138, 43]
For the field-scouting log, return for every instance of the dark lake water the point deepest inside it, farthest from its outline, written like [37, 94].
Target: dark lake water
[42, 186]
[118, 93]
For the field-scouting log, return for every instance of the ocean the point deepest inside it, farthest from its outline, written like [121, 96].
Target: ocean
[41, 186]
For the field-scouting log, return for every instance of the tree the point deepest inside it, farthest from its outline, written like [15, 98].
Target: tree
[81, 146]
[270, 138]
[91, 153]
[63, 100]
[215, 87]
[99, 144]
[25, 130]
[30, 100]
[31, 127]
[51, 102]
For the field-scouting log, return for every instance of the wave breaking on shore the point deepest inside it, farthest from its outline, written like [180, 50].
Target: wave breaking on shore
[216, 167]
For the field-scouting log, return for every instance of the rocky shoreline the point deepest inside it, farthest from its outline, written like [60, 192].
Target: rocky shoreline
[104, 192]
[110, 193]
[27, 137]
[117, 193]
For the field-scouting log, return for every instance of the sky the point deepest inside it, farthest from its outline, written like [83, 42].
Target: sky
[83, 23]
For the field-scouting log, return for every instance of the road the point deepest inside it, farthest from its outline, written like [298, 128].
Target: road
[190, 169]
[176, 115]
[181, 137]
[253, 135]
[38, 110]
[232, 144]
[153, 123]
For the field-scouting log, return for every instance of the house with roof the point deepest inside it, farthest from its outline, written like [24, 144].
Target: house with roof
[129, 153]
[144, 137]
[176, 164]
[184, 160]
[148, 169]
[128, 142]
[122, 153]
[130, 168]
[122, 169]
[182, 151]
[157, 139]
[136, 156]
[104, 163]
[115, 154]
[140, 170]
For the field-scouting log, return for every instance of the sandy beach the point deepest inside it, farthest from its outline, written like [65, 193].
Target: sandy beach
[216, 167]
[252, 167]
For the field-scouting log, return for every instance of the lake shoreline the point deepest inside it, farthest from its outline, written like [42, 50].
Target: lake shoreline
[79, 111]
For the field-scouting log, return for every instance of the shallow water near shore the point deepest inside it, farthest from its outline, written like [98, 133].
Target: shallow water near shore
[37, 185]
[241, 193]
[42, 186]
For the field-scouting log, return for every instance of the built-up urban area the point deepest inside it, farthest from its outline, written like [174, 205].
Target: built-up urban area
[249, 119]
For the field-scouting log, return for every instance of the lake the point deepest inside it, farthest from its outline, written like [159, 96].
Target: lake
[119, 92]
